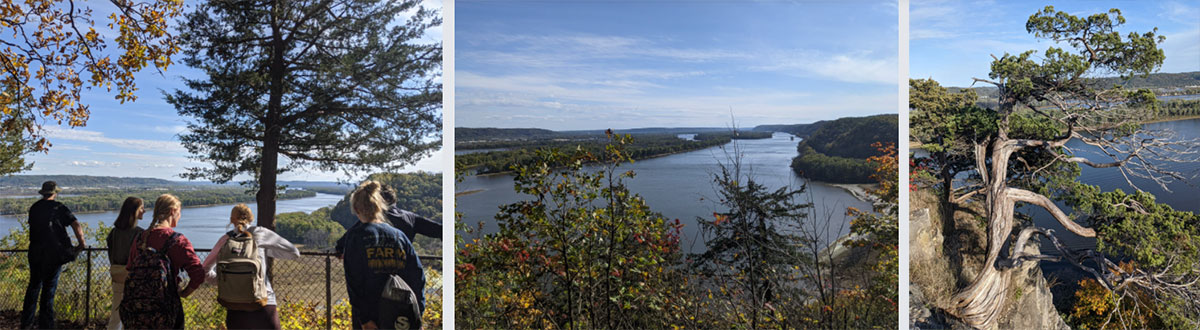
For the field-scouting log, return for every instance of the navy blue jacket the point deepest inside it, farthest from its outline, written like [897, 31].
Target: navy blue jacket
[373, 251]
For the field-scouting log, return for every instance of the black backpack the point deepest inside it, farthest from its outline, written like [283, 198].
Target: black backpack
[398, 306]
[151, 295]
[64, 252]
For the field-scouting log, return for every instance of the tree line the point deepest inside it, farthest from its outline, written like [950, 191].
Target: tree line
[838, 151]
[646, 146]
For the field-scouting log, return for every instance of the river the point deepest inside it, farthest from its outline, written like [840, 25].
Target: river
[680, 186]
[202, 225]
[1182, 194]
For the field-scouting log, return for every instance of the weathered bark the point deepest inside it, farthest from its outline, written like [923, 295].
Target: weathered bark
[980, 304]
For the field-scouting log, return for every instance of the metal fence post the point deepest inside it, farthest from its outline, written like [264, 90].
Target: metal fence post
[328, 296]
[87, 299]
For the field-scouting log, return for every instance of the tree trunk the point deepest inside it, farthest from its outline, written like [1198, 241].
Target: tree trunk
[267, 184]
[947, 178]
[980, 304]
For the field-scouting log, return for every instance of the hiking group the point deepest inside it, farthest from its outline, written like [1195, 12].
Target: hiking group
[384, 279]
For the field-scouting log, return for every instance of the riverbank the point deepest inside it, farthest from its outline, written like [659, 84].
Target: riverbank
[859, 190]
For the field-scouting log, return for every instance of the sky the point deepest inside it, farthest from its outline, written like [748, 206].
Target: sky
[595, 64]
[140, 138]
[951, 41]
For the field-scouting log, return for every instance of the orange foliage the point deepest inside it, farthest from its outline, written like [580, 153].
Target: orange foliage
[52, 50]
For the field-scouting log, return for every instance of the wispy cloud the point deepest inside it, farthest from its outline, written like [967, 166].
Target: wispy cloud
[94, 163]
[159, 146]
[858, 67]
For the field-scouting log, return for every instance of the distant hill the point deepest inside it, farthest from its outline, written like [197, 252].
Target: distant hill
[469, 134]
[1162, 82]
[654, 130]
[852, 137]
[801, 130]
[488, 133]
[1156, 80]
[26, 181]
[837, 151]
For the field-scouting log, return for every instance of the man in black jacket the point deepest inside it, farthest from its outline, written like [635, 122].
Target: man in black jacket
[48, 221]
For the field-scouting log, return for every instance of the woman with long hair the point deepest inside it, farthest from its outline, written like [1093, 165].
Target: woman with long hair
[270, 245]
[374, 251]
[161, 236]
[125, 229]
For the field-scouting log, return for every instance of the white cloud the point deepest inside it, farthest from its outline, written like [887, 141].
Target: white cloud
[93, 163]
[855, 68]
[175, 129]
[157, 146]
[71, 147]
[1179, 12]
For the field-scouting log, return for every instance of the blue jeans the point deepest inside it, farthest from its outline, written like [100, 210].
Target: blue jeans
[43, 276]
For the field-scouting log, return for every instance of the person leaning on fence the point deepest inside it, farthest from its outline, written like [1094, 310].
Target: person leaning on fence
[406, 221]
[235, 287]
[375, 255]
[48, 221]
[125, 230]
[148, 303]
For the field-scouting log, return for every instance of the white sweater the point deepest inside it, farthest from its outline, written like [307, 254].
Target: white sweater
[270, 245]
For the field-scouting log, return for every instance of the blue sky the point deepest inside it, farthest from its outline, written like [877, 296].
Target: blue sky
[139, 139]
[595, 64]
[951, 41]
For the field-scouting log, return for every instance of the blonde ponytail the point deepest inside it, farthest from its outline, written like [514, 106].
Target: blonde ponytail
[366, 201]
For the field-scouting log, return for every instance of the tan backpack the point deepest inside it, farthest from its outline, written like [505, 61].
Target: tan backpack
[240, 283]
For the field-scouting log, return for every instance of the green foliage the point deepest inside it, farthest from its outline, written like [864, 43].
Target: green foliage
[1162, 83]
[800, 130]
[13, 147]
[315, 230]
[1179, 108]
[332, 86]
[468, 134]
[852, 137]
[947, 125]
[821, 167]
[837, 151]
[752, 250]
[581, 252]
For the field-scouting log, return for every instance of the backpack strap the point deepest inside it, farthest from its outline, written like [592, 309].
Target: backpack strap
[140, 240]
[170, 241]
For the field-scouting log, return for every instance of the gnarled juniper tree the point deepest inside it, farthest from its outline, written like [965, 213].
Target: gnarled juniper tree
[1045, 103]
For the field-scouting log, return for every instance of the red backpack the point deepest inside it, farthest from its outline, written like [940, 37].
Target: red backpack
[151, 295]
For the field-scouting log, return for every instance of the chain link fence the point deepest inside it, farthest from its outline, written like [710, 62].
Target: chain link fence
[310, 291]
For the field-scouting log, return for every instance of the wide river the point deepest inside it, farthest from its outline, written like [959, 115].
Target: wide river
[680, 186]
[1182, 194]
[202, 225]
